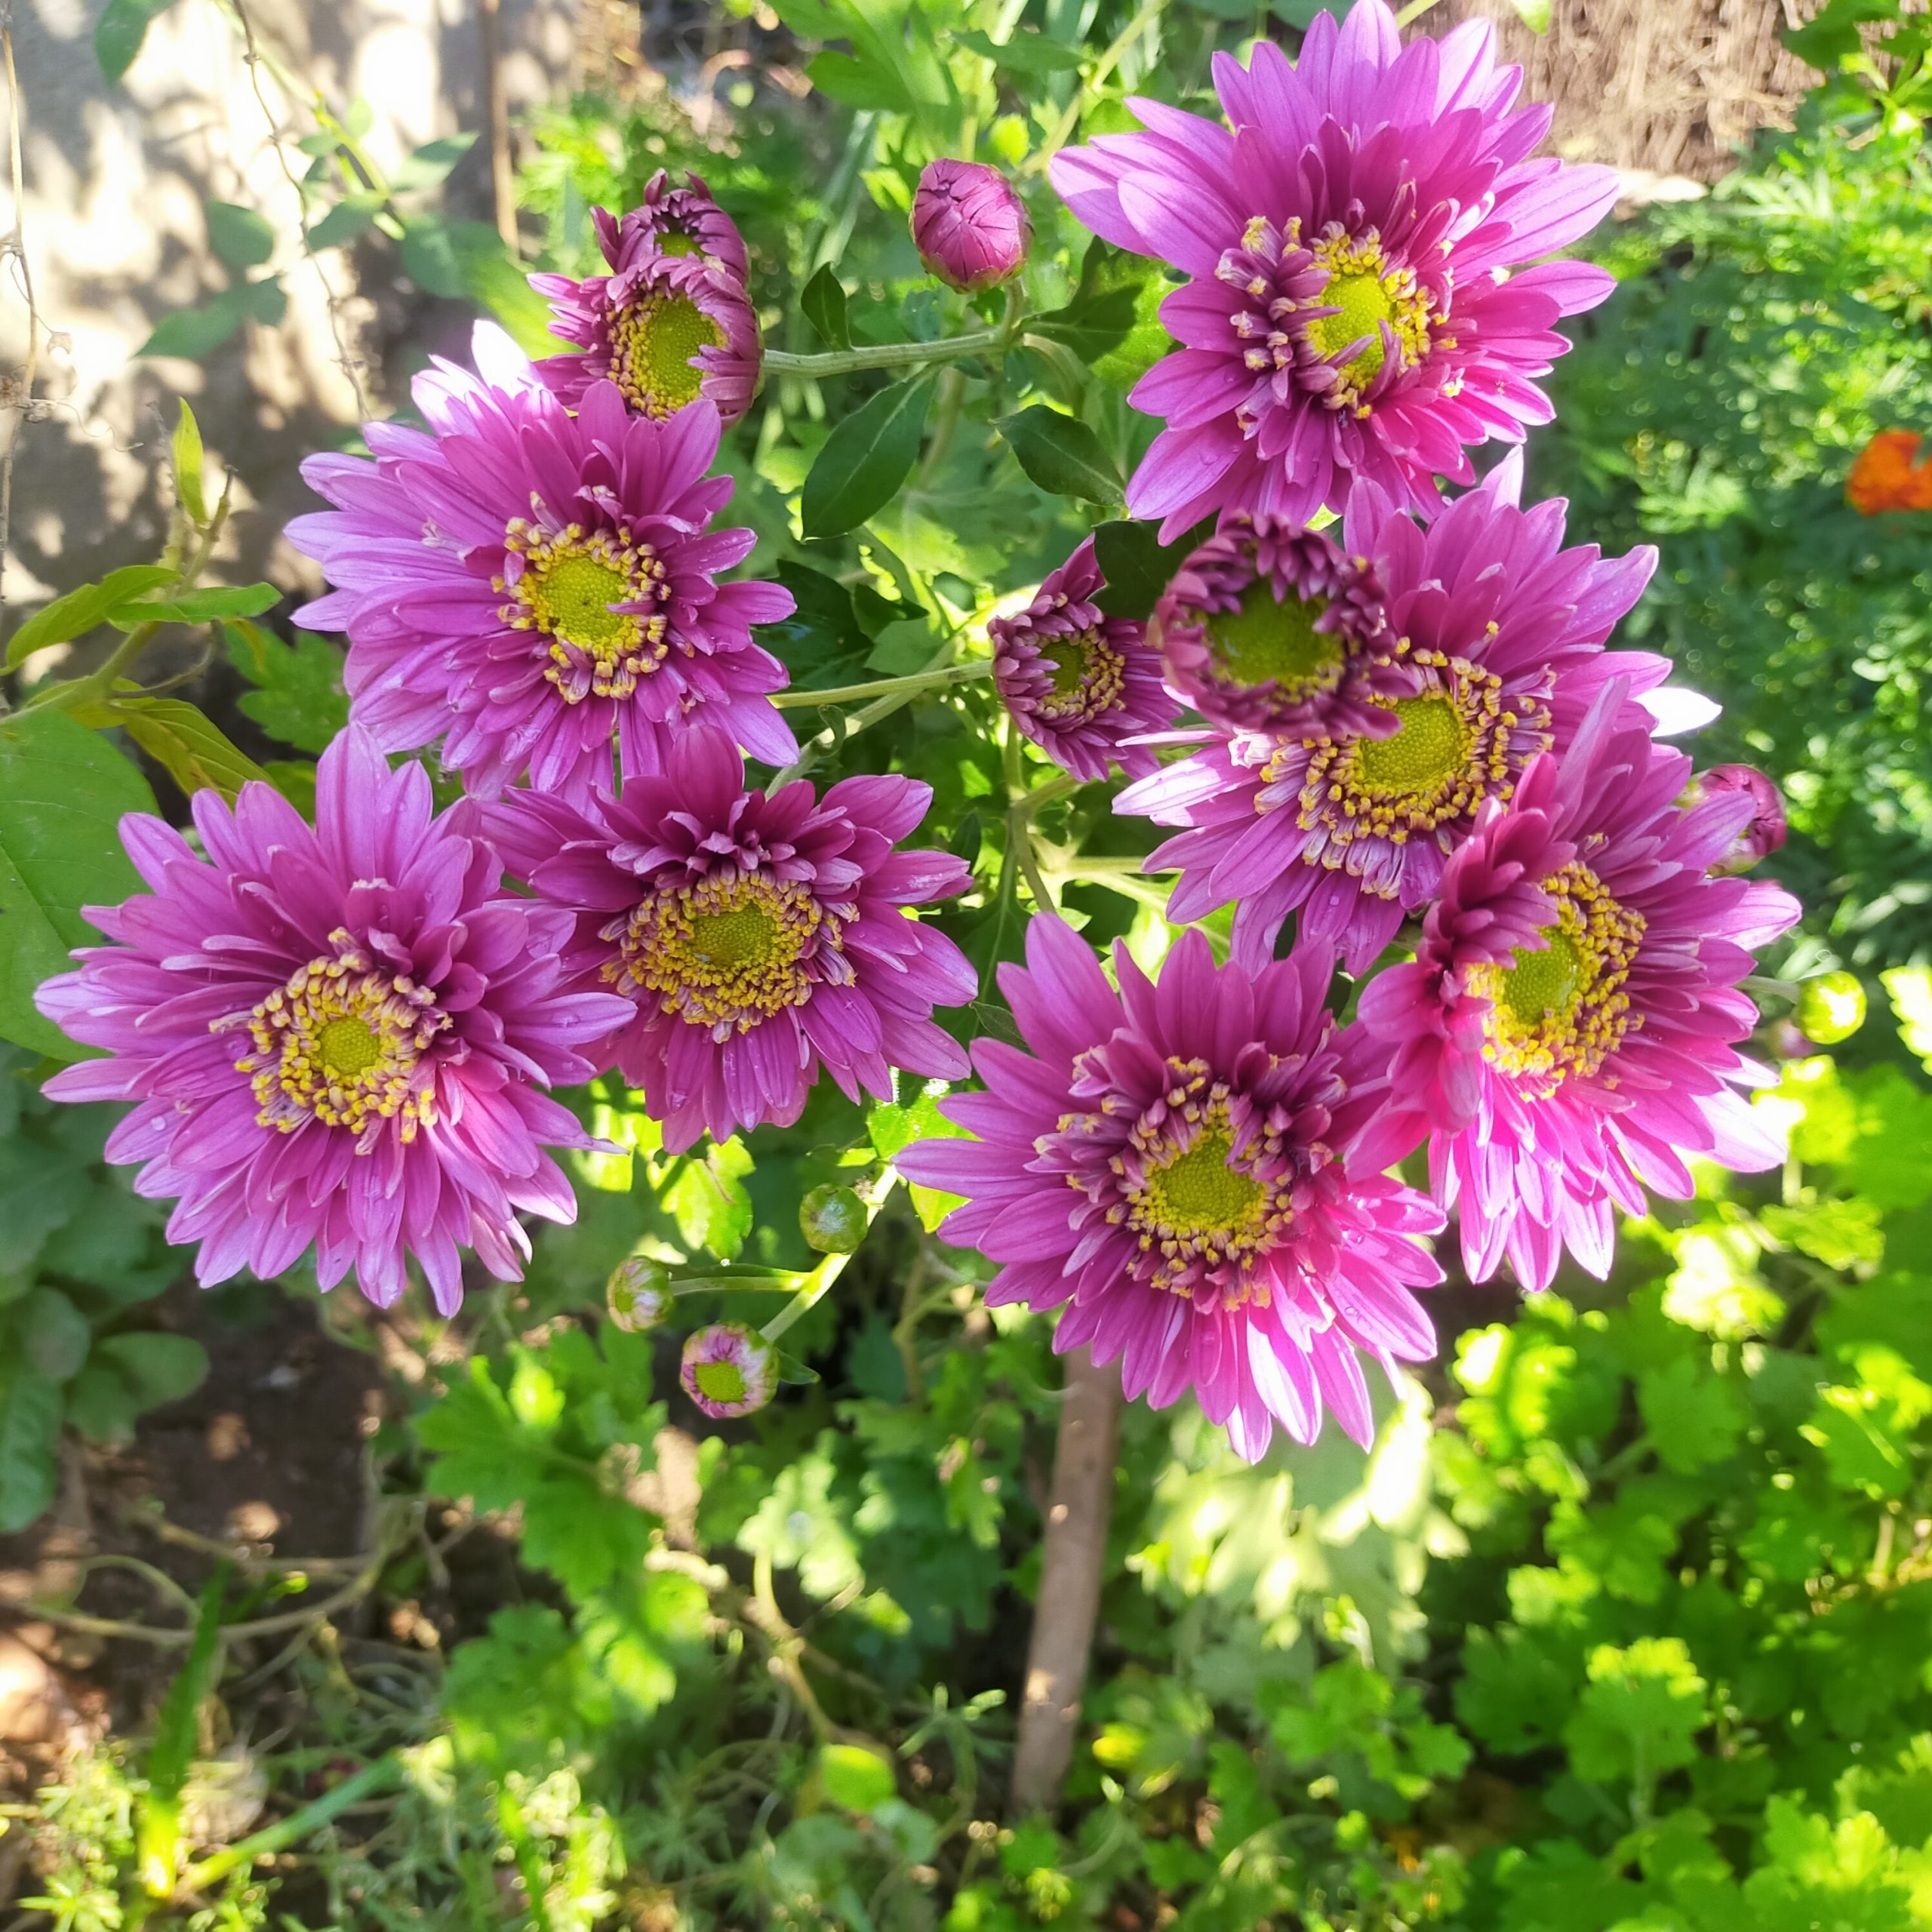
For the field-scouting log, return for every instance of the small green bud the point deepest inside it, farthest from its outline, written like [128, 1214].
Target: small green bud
[1831, 1007]
[639, 1294]
[833, 1219]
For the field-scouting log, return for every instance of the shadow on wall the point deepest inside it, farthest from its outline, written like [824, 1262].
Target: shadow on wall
[117, 181]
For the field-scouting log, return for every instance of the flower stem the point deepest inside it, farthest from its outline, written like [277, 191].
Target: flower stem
[915, 680]
[888, 354]
[813, 1287]
[291, 1830]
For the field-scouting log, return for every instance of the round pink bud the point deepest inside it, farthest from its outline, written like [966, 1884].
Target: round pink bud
[727, 1370]
[971, 229]
[1764, 833]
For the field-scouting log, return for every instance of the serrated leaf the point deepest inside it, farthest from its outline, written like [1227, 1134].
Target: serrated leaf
[708, 1202]
[300, 700]
[30, 1448]
[865, 460]
[118, 33]
[80, 611]
[1061, 455]
[62, 792]
[188, 455]
[194, 333]
[207, 605]
[1638, 1716]
[240, 238]
[1027, 52]
[824, 305]
[189, 746]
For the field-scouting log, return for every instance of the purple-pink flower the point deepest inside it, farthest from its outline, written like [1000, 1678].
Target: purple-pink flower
[537, 589]
[669, 331]
[1763, 832]
[728, 1370]
[1567, 1033]
[757, 939]
[1500, 630]
[1167, 1165]
[1270, 627]
[1357, 239]
[671, 221]
[971, 228]
[334, 1038]
[1080, 684]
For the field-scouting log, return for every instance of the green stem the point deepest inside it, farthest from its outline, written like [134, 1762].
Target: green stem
[1759, 987]
[371, 1779]
[709, 1284]
[914, 680]
[814, 1287]
[886, 355]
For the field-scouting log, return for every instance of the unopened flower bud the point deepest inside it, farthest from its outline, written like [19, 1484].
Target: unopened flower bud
[1831, 1007]
[1764, 833]
[727, 1370]
[971, 229]
[639, 1294]
[833, 1219]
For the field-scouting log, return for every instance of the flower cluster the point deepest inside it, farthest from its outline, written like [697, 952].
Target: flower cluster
[1399, 729]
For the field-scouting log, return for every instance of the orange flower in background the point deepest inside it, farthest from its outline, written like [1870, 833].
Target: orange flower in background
[1887, 476]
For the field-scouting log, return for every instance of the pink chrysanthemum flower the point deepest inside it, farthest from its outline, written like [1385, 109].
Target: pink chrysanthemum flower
[1359, 305]
[670, 330]
[1270, 627]
[1567, 1032]
[1079, 683]
[728, 1370]
[669, 221]
[758, 938]
[533, 587]
[1167, 1164]
[1501, 631]
[334, 1037]
[971, 229]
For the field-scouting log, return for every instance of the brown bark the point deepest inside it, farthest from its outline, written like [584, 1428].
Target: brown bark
[1073, 1556]
[496, 84]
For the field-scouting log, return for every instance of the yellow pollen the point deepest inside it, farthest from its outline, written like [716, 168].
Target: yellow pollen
[571, 579]
[653, 342]
[1086, 676]
[342, 1043]
[1558, 1011]
[1198, 1193]
[719, 1381]
[727, 953]
[1263, 642]
[1366, 292]
[1430, 746]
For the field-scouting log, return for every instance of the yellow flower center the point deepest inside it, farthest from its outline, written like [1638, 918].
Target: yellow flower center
[654, 343]
[571, 579]
[1559, 1011]
[1366, 292]
[1087, 675]
[343, 1044]
[726, 953]
[675, 241]
[719, 1381]
[1262, 642]
[1430, 746]
[1198, 1193]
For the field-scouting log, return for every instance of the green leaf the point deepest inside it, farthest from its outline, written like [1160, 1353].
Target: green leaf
[300, 700]
[349, 220]
[54, 1333]
[101, 1405]
[1639, 1713]
[1534, 14]
[431, 258]
[266, 301]
[119, 32]
[859, 1779]
[62, 792]
[866, 458]
[1694, 1418]
[1061, 455]
[80, 611]
[824, 305]
[1831, 36]
[30, 1448]
[708, 1202]
[1026, 52]
[1138, 566]
[188, 492]
[205, 606]
[194, 333]
[858, 83]
[429, 165]
[158, 1367]
[189, 746]
[177, 1736]
[1092, 324]
[823, 642]
[241, 237]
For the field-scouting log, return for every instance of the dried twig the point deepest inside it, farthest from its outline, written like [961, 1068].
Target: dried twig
[13, 249]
